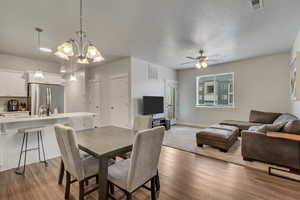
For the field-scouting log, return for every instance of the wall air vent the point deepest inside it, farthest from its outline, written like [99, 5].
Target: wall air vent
[256, 4]
[152, 73]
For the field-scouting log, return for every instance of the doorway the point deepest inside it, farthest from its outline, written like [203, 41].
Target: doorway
[171, 100]
[119, 101]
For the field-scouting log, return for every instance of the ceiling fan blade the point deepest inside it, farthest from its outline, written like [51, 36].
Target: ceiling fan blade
[191, 58]
[188, 62]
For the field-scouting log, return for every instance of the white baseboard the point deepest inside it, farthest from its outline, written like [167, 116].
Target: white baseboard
[191, 125]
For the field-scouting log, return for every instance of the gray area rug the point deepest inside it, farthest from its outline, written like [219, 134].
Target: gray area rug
[184, 138]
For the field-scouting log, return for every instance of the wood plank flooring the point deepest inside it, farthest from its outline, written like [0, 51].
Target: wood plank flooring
[184, 176]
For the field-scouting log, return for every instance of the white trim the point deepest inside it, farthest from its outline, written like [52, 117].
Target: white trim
[12, 70]
[191, 124]
[119, 76]
[220, 107]
[94, 81]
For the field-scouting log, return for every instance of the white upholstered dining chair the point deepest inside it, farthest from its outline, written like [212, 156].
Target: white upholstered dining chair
[142, 122]
[82, 169]
[133, 173]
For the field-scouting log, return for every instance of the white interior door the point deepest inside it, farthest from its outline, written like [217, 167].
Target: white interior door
[171, 100]
[94, 101]
[119, 106]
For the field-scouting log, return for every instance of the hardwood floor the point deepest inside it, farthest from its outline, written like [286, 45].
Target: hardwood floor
[184, 176]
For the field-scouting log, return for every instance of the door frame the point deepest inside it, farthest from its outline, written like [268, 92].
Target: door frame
[89, 83]
[174, 84]
[121, 76]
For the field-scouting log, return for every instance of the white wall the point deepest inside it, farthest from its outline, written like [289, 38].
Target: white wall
[138, 84]
[295, 105]
[24, 64]
[142, 86]
[261, 83]
[75, 93]
[104, 73]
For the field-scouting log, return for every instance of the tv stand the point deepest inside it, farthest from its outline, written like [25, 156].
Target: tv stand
[161, 122]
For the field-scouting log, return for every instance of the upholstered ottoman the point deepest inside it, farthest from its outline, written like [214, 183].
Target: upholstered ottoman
[219, 136]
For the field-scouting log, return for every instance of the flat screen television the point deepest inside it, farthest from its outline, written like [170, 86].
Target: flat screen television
[153, 105]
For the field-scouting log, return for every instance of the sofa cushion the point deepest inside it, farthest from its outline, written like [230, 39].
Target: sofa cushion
[268, 127]
[215, 134]
[285, 118]
[225, 127]
[292, 126]
[240, 124]
[263, 117]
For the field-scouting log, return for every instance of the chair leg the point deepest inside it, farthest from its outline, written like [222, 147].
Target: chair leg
[157, 181]
[39, 148]
[128, 196]
[42, 142]
[86, 182]
[81, 190]
[68, 184]
[61, 172]
[21, 152]
[153, 191]
[111, 188]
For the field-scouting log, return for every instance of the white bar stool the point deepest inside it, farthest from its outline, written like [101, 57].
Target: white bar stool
[26, 131]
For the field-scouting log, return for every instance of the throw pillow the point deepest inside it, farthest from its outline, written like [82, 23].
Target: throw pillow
[267, 127]
[292, 127]
[285, 118]
[261, 128]
[275, 127]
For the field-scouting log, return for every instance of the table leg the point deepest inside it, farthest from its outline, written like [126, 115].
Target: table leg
[103, 183]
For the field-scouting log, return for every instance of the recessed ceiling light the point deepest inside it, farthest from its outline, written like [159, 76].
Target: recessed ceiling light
[45, 49]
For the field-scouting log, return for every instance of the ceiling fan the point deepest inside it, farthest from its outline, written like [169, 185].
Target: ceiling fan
[200, 61]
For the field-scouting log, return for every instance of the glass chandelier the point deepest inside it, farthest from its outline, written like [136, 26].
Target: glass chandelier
[81, 48]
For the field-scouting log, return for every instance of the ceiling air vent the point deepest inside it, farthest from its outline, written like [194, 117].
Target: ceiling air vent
[257, 4]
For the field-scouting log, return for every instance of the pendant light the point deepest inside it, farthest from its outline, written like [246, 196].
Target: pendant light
[73, 77]
[39, 74]
[63, 69]
[81, 48]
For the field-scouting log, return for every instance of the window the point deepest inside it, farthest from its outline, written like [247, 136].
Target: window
[215, 90]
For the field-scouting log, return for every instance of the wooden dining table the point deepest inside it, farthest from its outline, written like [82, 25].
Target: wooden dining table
[105, 143]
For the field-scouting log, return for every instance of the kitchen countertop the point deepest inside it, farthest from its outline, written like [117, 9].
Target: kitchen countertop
[15, 119]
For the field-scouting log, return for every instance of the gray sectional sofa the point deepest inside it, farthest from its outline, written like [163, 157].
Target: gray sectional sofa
[256, 145]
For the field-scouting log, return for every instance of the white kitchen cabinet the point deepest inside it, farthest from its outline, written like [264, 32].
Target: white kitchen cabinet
[12, 83]
[49, 78]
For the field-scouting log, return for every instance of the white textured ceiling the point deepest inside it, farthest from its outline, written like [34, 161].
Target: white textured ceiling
[159, 31]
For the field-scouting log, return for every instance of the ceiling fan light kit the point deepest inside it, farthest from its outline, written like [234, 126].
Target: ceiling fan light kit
[81, 48]
[200, 61]
[200, 65]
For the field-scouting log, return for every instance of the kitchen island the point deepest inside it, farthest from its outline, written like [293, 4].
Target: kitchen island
[10, 140]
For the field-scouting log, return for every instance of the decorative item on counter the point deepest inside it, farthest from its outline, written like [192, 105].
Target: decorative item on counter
[22, 106]
[13, 105]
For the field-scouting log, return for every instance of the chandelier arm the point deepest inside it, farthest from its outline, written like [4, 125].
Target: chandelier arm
[77, 47]
[81, 30]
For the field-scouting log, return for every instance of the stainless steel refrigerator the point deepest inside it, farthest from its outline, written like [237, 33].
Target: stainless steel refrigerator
[45, 95]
